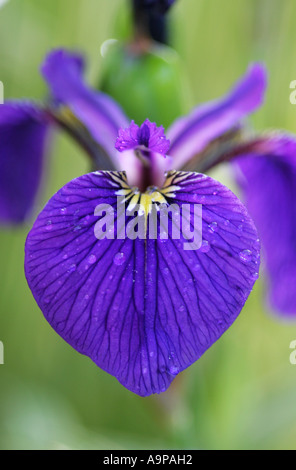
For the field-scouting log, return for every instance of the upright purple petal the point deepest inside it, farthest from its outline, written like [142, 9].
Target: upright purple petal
[151, 147]
[100, 114]
[147, 136]
[268, 180]
[191, 134]
[141, 309]
[23, 131]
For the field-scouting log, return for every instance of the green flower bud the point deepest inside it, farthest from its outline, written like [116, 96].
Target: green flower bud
[146, 78]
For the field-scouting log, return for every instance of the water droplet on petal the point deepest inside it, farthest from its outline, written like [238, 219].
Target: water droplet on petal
[119, 259]
[92, 259]
[48, 225]
[86, 220]
[246, 256]
[213, 227]
[63, 210]
[205, 246]
[174, 370]
[72, 268]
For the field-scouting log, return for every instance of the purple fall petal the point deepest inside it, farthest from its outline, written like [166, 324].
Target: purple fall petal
[99, 113]
[142, 310]
[23, 131]
[268, 180]
[191, 134]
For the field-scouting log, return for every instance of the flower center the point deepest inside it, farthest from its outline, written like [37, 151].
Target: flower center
[150, 146]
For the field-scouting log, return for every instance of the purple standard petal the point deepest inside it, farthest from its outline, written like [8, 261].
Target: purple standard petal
[99, 113]
[268, 179]
[141, 309]
[148, 136]
[151, 147]
[23, 130]
[191, 134]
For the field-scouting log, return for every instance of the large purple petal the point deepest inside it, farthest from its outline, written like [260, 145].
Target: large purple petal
[268, 180]
[100, 114]
[144, 309]
[191, 134]
[23, 132]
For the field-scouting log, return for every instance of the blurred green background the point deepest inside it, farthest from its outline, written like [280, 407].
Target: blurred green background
[241, 393]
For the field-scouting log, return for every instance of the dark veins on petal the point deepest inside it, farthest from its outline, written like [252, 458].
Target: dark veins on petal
[142, 310]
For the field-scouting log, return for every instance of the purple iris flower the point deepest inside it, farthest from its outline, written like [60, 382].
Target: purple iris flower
[144, 309]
